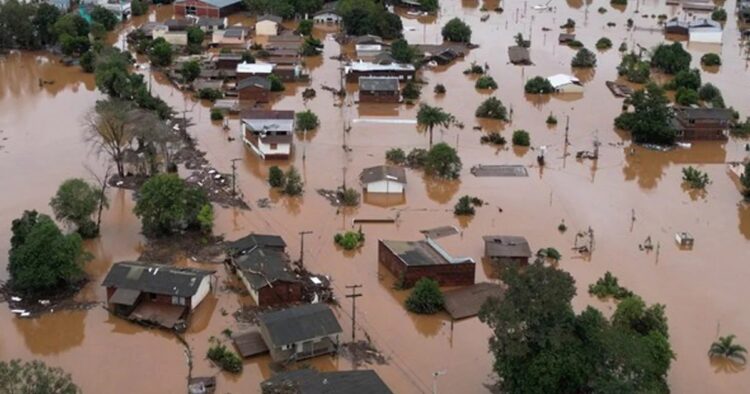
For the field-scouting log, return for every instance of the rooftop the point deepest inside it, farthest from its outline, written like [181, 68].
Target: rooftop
[263, 266]
[559, 80]
[155, 278]
[519, 55]
[255, 68]
[467, 301]
[206, 21]
[216, 3]
[506, 246]
[256, 81]
[270, 17]
[382, 173]
[308, 381]
[367, 66]
[424, 252]
[299, 323]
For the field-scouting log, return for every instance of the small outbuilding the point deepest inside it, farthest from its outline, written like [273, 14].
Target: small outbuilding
[310, 381]
[379, 90]
[705, 31]
[254, 88]
[268, 25]
[368, 50]
[507, 249]
[563, 83]
[328, 14]
[300, 332]
[410, 261]
[207, 8]
[519, 55]
[565, 38]
[383, 179]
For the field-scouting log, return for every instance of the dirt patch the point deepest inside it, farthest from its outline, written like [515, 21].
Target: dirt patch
[190, 244]
[362, 352]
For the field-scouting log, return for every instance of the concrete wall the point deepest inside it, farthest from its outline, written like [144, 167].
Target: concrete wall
[706, 37]
[266, 28]
[254, 93]
[203, 289]
[385, 187]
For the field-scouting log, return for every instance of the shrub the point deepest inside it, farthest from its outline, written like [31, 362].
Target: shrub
[216, 114]
[485, 82]
[276, 177]
[491, 108]
[76, 202]
[349, 197]
[402, 52]
[493, 138]
[306, 120]
[210, 94]
[425, 298]
[719, 15]
[575, 44]
[689, 79]
[551, 120]
[602, 10]
[305, 27]
[474, 68]
[623, 47]
[440, 89]
[584, 58]
[195, 35]
[139, 7]
[670, 59]
[443, 161]
[294, 185]
[608, 286]
[695, 178]
[276, 84]
[411, 90]
[686, 97]
[604, 43]
[205, 218]
[634, 69]
[457, 31]
[548, 253]
[562, 227]
[395, 156]
[521, 138]
[225, 358]
[711, 59]
[349, 240]
[417, 158]
[466, 204]
[538, 85]
[711, 94]
[166, 204]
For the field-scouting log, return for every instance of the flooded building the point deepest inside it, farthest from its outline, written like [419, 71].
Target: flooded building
[383, 179]
[254, 88]
[677, 27]
[507, 249]
[268, 276]
[155, 293]
[379, 90]
[233, 36]
[410, 261]
[695, 124]
[359, 69]
[565, 38]
[209, 8]
[327, 14]
[180, 24]
[174, 37]
[268, 133]
[705, 31]
[228, 61]
[300, 332]
[247, 70]
[368, 50]
[310, 381]
[563, 83]
[209, 24]
[519, 55]
[268, 25]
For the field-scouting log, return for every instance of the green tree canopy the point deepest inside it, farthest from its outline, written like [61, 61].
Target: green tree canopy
[428, 117]
[195, 35]
[670, 58]
[35, 377]
[104, 16]
[42, 260]
[160, 53]
[492, 108]
[426, 297]
[75, 202]
[190, 70]
[650, 120]
[306, 120]
[443, 161]
[362, 17]
[538, 85]
[584, 58]
[167, 204]
[402, 52]
[634, 68]
[688, 79]
[456, 30]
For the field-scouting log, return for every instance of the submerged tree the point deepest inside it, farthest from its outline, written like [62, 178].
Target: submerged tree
[428, 117]
[443, 161]
[75, 202]
[110, 128]
[726, 348]
[425, 298]
[35, 377]
[294, 185]
[167, 204]
[670, 59]
[456, 30]
[650, 120]
[306, 120]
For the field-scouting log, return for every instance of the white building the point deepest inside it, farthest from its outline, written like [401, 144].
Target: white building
[383, 179]
[327, 15]
[245, 70]
[368, 50]
[268, 133]
[172, 37]
[705, 31]
[563, 83]
[267, 25]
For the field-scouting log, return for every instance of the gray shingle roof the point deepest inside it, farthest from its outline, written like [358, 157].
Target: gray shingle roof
[506, 246]
[155, 278]
[249, 241]
[381, 173]
[378, 84]
[270, 17]
[308, 381]
[260, 82]
[264, 266]
[519, 54]
[217, 3]
[299, 323]
[718, 114]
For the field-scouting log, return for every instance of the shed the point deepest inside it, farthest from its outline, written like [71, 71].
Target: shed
[507, 248]
[255, 88]
[267, 25]
[410, 261]
[563, 83]
[249, 343]
[677, 27]
[309, 381]
[565, 38]
[519, 55]
[368, 50]
[467, 301]
[300, 332]
[383, 179]
[207, 8]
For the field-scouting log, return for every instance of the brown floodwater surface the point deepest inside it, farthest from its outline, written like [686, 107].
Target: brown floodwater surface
[703, 289]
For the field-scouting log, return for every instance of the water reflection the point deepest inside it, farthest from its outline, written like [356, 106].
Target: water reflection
[51, 333]
[440, 190]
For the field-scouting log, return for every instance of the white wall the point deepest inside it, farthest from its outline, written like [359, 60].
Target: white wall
[202, 292]
[707, 37]
[266, 28]
[281, 149]
[570, 88]
[385, 187]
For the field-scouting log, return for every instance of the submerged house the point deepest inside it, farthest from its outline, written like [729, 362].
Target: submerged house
[519, 55]
[268, 276]
[208, 8]
[254, 88]
[705, 31]
[379, 90]
[563, 83]
[700, 124]
[327, 14]
[310, 381]
[233, 36]
[507, 249]
[410, 261]
[383, 179]
[300, 332]
[268, 133]
[359, 69]
[268, 25]
[155, 293]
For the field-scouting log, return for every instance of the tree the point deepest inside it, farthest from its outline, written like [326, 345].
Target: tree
[276, 84]
[190, 70]
[294, 185]
[160, 53]
[485, 82]
[306, 120]
[456, 30]
[439, 89]
[42, 260]
[521, 138]
[71, 24]
[584, 59]
[104, 16]
[35, 377]
[634, 69]
[44, 20]
[16, 27]
[464, 206]
[609, 286]
[75, 202]
[139, 7]
[726, 348]
[603, 43]
[311, 47]
[443, 161]
[111, 128]
[492, 108]
[195, 35]
[411, 90]
[361, 17]
[226, 359]
[428, 117]
[719, 15]
[686, 97]
[395, 156]
[276, 177]
[112, 76]
[205, 218]
[745, 181]
[670, 58]
[429, 5]
[349, 240]
[426, 297]
[711, 59]
[539, 85]
[167, 204]
[695, 178]
[689, 79]
[305, 27]
[650, 121]
[402, 52]
[709, 93]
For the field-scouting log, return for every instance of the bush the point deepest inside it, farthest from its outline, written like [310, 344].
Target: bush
[719, 15]
[294, 185]
[195, 35]
[485, 82]
[492, 108]
[551, 120]
[411, 90]
[686, 97]
[216, 114]
[443, 161]
[425, 298]
[457, 31]
[538, 85]
[493, 138]
[417, 158]
[87, 61]
[695, 178]
[602, 10]
[618, 2]
[402, 52]
[166, 204]
[395, 156]
[548, 253]
[623, 47]
[306, 120]
[276, 84]
[205, 218]
[75, 203]
[190, 70]
[670, 59]
[604, 43]
[521, 138]
[711, 59]
[474, 68]
[139, 7]
[584, 58]
[689, 79]
[276, 177]
[608, 286]
[349, 197]
[305, 27]
[210, 94]
[440, 89]
[466, 204]
[711, 94]
[160, 53]
[349, 240]
[311, 47]
[634, 69]
[225, 358]
[575, 44]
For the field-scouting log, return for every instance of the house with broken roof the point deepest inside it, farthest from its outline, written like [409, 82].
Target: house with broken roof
[379, 90]
[155, 293]
[410, 261]
[702, 124]
[254, 88]
[268, 133]
[507, 249]
[263, 266]
[300, 332]
[383, 179]
[310, 381]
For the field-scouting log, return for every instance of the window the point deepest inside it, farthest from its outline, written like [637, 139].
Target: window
[190, 10]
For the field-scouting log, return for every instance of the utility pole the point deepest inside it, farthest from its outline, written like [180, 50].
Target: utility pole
[302, 246]
[343, 169]
[234, 176]
[354, 296]
[567, 126]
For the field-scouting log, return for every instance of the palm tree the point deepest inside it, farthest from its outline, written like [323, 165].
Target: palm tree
[726, 348]
[428, 117]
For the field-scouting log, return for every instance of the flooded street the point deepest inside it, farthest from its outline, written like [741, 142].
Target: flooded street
[704, 289]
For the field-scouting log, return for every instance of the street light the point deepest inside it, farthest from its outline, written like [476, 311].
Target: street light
[435, 375]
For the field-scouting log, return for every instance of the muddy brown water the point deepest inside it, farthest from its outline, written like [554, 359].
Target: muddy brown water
[704, 289]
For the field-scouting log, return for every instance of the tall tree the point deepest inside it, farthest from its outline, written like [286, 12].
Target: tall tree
[111, 128]
[167, 204]
[75, 202]
[650, 120]
[428, 117]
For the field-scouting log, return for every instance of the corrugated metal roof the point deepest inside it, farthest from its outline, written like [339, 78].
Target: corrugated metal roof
[308, 381]
[155, 278]
[506, 246]
[382, 173]
[299, 323]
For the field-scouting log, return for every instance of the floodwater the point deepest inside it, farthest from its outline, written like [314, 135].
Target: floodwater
[704, 289]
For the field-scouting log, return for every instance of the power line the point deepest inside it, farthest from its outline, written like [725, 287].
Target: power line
[354, 297]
